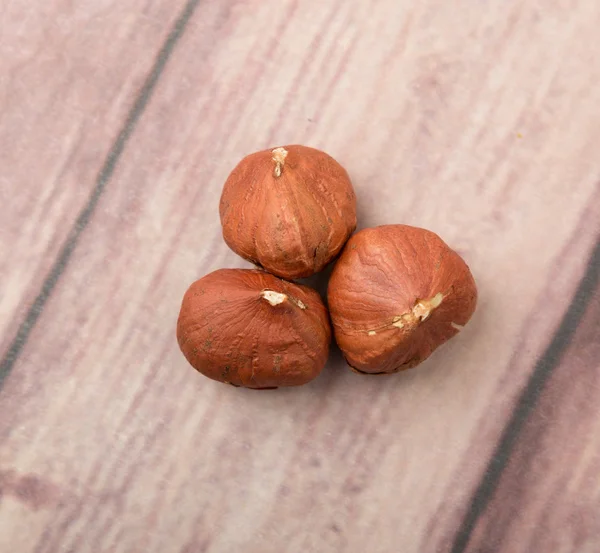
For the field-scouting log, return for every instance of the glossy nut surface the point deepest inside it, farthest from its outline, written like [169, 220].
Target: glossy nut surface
[288, 209]
[396, 294]
[249, 328]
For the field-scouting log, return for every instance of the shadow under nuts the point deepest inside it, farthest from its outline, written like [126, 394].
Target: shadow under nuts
[396, 294]
[249, 328]
[290, 210]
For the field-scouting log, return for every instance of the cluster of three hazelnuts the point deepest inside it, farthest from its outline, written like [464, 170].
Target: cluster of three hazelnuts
[395, 294]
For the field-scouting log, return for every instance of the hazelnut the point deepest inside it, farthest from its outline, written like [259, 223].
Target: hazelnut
[249, 328]
[395, 295]
[289, 210]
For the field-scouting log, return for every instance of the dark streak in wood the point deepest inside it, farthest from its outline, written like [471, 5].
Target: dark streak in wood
[551, 477]
[33, 491]
[104, 176]
[527, 402]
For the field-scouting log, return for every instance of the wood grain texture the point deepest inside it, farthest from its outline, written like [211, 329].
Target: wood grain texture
[68, 75]
[551, 479]
[480, 122]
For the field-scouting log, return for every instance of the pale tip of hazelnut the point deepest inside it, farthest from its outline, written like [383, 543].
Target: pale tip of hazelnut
[456, 326]
[279, 155]
[274, 298]
[436, 301]
[423, 308]
[371, 333]
[397, 322]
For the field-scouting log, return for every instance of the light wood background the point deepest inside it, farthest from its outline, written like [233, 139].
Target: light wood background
[119, 122]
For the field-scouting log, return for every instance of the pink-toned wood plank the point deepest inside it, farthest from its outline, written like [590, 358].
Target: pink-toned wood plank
[514, 403]
[551, 480]
[69, 73]
[480, 123]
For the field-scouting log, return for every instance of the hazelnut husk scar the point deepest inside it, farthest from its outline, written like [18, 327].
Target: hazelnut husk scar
[249, 328]
[289, 210]
[396, 294]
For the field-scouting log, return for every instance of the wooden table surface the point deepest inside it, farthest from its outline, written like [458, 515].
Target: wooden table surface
[119, 122]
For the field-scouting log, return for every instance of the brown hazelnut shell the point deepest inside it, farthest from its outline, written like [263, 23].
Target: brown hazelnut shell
[249, 328]
[396, 294]
[289, 209]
